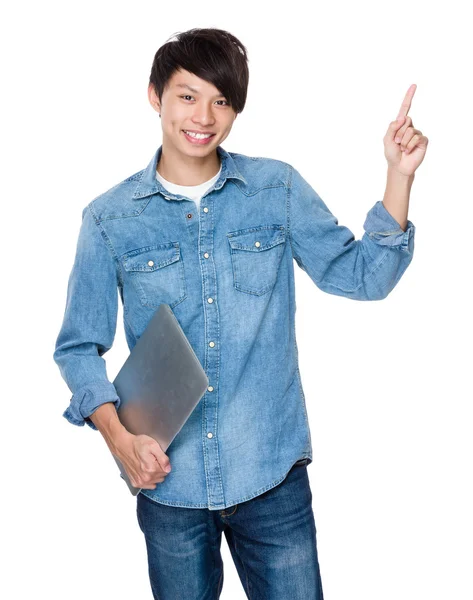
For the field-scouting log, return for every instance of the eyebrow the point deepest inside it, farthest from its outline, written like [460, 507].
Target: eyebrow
[184, 85]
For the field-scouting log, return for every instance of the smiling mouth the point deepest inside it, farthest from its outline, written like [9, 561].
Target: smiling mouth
[198, 140]
[198, 136]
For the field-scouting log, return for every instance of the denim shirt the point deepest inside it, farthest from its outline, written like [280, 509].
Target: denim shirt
[227, 271]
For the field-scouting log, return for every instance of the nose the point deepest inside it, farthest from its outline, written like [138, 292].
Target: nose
[203, 114]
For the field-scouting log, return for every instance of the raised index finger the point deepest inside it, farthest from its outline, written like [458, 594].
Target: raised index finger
[406, 103]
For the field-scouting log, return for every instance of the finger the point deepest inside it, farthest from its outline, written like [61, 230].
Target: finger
[156, 464]
[161, 464]
[409, 134]
[407, 137]
[393, 127]
[164, 464]
[160, 456]
[402, 130]
[413, 143]
[406, 103]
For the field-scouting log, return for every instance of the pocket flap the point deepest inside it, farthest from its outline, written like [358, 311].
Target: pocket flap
[257, 239]
[151, 258]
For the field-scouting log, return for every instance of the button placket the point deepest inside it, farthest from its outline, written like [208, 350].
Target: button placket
[212, 358]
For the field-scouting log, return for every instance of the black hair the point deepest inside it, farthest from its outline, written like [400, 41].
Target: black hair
[212, 54]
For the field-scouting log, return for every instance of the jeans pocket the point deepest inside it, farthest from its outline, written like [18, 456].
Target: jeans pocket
[157, 274]
[256, 254]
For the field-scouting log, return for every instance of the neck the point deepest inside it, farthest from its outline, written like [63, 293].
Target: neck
[181, 169]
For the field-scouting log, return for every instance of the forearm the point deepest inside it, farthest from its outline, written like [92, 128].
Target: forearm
[105, 418]
[396, 196]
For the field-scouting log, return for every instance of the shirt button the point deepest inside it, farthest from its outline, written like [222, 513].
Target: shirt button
[206, 209]
[257, 244]
[150, 263]
[211, 344]
[210, 388]
[210, 435]
[206, 255]
[189, 215]
[210, 300]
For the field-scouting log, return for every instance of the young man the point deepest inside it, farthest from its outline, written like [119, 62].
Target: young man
[214, 234]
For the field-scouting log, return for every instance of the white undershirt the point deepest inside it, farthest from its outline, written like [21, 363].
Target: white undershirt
[194, 192]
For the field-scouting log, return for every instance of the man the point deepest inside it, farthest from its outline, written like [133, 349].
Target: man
[214, 234]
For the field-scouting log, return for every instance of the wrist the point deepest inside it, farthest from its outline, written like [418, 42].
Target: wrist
[118, 438]
[403, 178]
[107, 422]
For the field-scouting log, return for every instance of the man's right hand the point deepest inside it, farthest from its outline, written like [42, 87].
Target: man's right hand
[144, 460]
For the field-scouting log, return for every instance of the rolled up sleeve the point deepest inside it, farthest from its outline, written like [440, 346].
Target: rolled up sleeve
[89, 323]
[383, 228]
[366, 269]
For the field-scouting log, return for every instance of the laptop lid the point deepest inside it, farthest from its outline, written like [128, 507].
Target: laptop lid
[160, 383]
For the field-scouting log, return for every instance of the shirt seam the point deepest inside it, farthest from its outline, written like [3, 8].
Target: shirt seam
[108, 244]
[288, 212]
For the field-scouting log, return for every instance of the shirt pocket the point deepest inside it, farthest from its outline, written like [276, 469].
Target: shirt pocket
[157, 274]
[256, 254]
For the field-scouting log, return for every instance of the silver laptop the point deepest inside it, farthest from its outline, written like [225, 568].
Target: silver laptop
[160, 383]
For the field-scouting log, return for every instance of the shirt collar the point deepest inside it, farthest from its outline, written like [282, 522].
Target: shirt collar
[149, 185]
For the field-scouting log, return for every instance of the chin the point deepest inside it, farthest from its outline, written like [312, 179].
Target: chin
[196, 149]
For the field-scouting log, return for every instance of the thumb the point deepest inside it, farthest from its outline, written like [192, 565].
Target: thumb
[161, 457]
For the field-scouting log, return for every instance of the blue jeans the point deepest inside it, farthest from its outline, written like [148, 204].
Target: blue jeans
[272, 540]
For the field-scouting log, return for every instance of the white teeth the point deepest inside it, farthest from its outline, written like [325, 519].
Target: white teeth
[199, 136]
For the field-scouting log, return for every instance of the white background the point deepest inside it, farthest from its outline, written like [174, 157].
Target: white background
[387, 384]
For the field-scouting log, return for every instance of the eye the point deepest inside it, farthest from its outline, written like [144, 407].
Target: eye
[189, 96]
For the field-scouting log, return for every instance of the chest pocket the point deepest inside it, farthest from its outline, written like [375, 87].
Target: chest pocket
[157, 273]
[256, 254]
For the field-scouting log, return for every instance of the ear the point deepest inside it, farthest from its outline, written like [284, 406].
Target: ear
[153, 98]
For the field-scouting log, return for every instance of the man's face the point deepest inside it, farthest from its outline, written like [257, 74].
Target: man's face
[190, 103]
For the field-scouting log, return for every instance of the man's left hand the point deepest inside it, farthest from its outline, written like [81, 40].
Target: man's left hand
[404, 146]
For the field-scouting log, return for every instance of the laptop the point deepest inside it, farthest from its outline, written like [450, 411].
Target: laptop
[160, 383]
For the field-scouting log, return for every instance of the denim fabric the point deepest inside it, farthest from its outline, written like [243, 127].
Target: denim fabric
[272, 540]
[227, 271]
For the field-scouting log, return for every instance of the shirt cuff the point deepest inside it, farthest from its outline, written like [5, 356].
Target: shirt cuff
[87, 399]
[383, 228]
